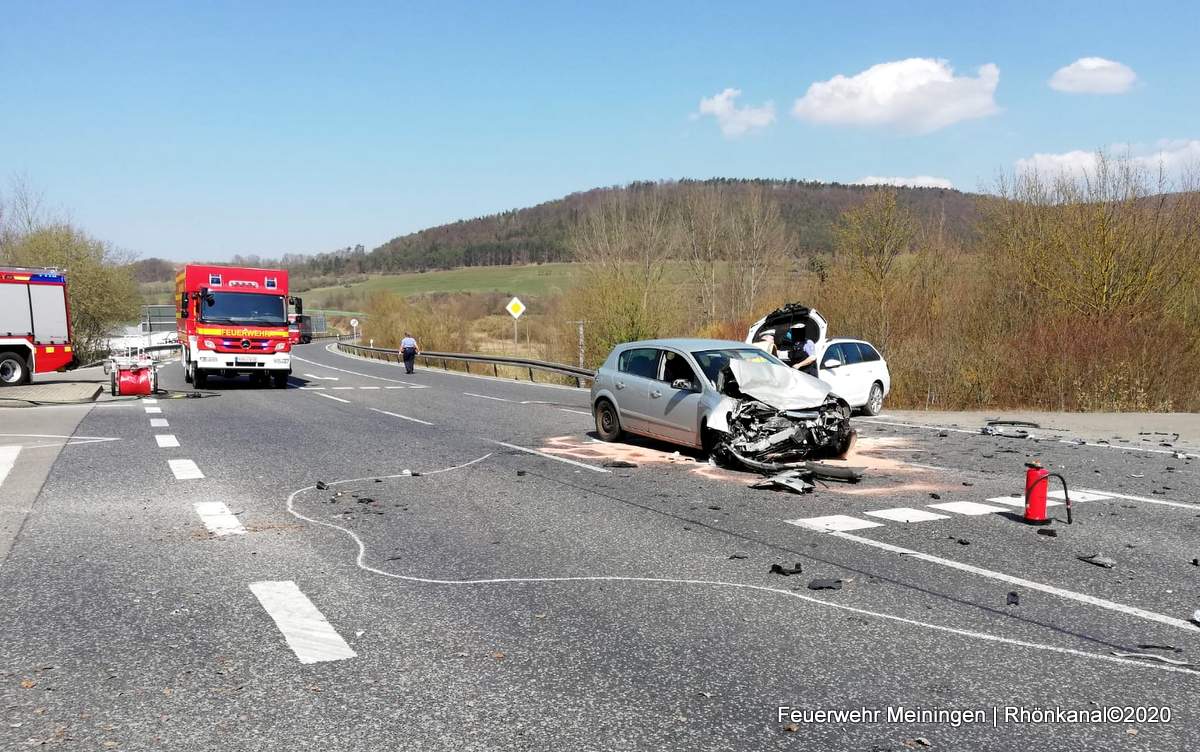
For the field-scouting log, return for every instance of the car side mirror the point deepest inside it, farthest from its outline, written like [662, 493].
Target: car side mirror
[831, 363]
[683, 384]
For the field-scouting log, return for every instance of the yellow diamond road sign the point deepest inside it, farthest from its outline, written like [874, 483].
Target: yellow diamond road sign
[515, 307]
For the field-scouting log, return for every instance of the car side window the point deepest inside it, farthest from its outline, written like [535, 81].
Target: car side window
[850, 350]
[639, 361]
[674, 367]
[833, 352]
[869, 353]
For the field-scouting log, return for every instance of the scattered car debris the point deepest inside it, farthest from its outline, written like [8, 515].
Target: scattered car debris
[1196, 616]
[1152, 646]
[919, 743]
[1098, 560]
[619, 463]
[792, 480]
[825, 584]
[1014, 598]
[959, 541]
[968, 483]
[1018, 433]
[520, 473]
[785, 571]
[1048, 532]
[935, 496]
[1137, 475]
[1151, 656]
[739, 555]
[1022, 423]
[322, 485]
[943, 434]
[1196, 562]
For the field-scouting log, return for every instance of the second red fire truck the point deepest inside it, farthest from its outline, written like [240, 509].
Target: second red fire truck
[234, 320]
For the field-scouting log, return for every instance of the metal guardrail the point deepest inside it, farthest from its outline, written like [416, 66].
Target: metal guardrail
[495, 361]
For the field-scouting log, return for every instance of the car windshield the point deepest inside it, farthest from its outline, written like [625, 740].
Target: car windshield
[712, 361]
[244, 308]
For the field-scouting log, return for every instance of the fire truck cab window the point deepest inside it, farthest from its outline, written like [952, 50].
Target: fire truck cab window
[244, 308]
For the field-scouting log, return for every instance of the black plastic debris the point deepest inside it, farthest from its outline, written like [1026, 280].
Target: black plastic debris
[943, 434]
[1049, 533]
[785, 571]
[792, 480]
[935, 496]
[1014, 598]
[1023, 423]
[520, 473]
[739, 555]
[1196, 562]
[968, 483]
[959, 541]
[619, 463]
[1098, 560]
[825, 584]
[322, 485]
[366, 500]
[1152, 646]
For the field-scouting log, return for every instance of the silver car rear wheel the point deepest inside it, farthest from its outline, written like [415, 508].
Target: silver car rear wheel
[608, 423]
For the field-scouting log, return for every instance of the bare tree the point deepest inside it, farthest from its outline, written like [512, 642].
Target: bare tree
[759, 247]
[872, 238]
[705, 229]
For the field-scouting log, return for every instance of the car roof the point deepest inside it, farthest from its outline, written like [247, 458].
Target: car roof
[834, 340]
[685, 343]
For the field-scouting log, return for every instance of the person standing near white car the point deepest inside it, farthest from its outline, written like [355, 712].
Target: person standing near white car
[809, 363]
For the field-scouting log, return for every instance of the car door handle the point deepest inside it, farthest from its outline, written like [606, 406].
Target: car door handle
[655, 394]
[620, 384]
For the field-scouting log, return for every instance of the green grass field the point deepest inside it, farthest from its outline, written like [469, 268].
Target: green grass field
[532, 280]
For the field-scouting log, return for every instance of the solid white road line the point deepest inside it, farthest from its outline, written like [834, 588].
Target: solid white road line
[8, 458]
[153, 410]
[218, 519]
[395, 387]
[833, 522]
[907, 514]
[403, 417]
[322, 378]
[1030, 584]
[484, 396]
[972, 508]
[149, 401]
[357, 373]
[577, 412]
[1019, 501]
[1142, 499]
[159, 423]
[166, 440]
[311, 637]
[185, 470]
[335, 399]
[341, 388]
[370, 387]
[314, 388]
[548, 456]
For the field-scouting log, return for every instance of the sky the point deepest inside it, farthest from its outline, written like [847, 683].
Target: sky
[203, 130]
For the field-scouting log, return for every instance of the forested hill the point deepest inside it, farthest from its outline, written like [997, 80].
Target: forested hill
[539, 233]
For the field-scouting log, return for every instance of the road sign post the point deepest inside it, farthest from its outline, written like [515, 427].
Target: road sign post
[515, 308]
[354, 326]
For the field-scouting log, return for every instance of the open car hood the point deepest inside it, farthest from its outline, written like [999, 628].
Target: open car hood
[778, 386]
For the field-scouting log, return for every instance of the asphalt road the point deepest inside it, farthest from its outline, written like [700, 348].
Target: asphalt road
[473, 578]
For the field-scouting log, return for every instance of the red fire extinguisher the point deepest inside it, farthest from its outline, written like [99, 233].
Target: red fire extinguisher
[1037, 478]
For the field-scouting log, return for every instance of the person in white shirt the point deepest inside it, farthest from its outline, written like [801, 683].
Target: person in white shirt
[409, 351]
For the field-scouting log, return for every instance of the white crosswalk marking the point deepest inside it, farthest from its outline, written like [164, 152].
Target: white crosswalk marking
[166, 440]
[907, 514]
[8, 458]
[185, 469]
[311, 637]
[218, 519]
[1076, 496]
[1019, 501]
[159, 423]
[153, 410]
[335, 399]
[834, 522]
[968, 507]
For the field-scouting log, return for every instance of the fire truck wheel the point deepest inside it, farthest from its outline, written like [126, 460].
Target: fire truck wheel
[281, 378]
[199, 378]
[187, 370]
[13, 370]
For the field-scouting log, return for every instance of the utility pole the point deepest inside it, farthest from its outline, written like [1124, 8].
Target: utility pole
[580, 324]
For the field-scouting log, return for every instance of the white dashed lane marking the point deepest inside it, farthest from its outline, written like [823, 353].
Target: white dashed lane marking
[404, 417]
[218, 519]
[153, 410]
[185, 469]
[484, 396]
[8, 458]
[834, 522]
[311, 637]
[335, 399]
[149, 401]
[166, 440]
[907, 514]
[548, 456]
[159, 423]
[969, 508]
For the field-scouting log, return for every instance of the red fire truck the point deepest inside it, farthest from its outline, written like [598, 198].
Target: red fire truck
[35, 323]
[233, 320]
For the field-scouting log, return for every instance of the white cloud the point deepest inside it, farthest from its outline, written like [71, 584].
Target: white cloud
[1174, 156]
[918, 94]
[736, 121]
[1093, 75]
[916, 181]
